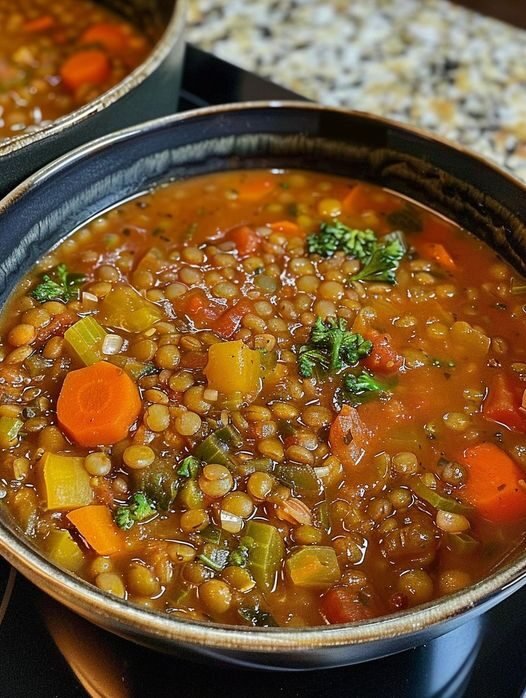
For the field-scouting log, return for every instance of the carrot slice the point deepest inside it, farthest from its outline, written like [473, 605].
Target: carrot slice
[383, 357]
[87, 67]
[98, 404]
[494, 484]
[286, 227]
[245, 239]
[348, 437]
[40, 24]
[95, 524]
[438, 253]
[503, 403]
[364, 197]
[108, 36]
[255, 188]
[343, 605]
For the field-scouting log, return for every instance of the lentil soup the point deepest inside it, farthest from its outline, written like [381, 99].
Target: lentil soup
[57, 56]
[268, 398]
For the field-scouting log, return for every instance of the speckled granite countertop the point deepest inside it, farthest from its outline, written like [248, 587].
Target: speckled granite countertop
[426, 62]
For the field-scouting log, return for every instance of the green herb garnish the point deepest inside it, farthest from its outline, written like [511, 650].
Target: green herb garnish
[384, 261]
[239, 556]
[331, 347]
[257, 617]
[139, 509]
[360, 388]
[189, 467]
[335, 236]
[216, 559]
[59, 284]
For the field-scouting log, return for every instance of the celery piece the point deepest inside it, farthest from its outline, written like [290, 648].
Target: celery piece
[268, 361]
[301, 478]
[313, 567]
[64, 483]
[321, 515]
[158, 481]
[63, 551]
[9, 429]
[85, 339]
[437, 500]
[125, 309]
[215, 448]
[254, 465]
[462, 543]
[265, 553]
[190, 496]
[212, 534]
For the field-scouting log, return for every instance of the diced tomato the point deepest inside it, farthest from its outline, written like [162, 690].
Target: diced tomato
[383, 357]
[245, 239]
[343, 605]
[200, 309]
[227, 324]
[348, 437]
[503, 403]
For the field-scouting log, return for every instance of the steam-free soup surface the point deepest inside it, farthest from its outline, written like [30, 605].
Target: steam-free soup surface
[268, 398]
[57, 56]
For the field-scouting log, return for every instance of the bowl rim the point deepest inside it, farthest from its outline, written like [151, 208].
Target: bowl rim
[172, 31]
[132, 620]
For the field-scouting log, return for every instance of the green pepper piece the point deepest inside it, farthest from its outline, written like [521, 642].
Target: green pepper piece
[313, 567]
[158, 482]
[265, 553]
[301, 478]
[214, 449]
[437, 500]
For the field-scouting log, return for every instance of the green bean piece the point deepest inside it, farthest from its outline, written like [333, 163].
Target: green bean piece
[302, 479]
[438, 501]
[313, 567]
[265, 554]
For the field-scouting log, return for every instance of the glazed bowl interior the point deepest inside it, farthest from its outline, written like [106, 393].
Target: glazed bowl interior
[72, 190]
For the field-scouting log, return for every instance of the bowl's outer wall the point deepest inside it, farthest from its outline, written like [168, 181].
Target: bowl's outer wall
[66, 194]
[157, 94]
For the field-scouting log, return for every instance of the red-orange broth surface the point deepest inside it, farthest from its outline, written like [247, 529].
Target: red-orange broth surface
[57, 56]
[240, 401]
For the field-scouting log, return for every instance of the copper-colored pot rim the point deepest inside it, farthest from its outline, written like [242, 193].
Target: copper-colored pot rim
[156, 56]
[128, 619]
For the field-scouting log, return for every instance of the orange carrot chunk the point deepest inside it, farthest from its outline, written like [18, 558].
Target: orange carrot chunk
[286, 227]
[255, 188]
[437, 253]
[348, 437]
[108, 36]
[95, 524]
[98, 404]
[494, 484]
[87, 67]
[40, 24]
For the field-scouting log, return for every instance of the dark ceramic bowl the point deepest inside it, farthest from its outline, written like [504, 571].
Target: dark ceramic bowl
[151, 90]
[64, 195]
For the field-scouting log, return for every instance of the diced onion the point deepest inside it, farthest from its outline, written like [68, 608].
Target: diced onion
[231, 522]
[210, 395]
[112, 344]
[322, 471]
[89, 297]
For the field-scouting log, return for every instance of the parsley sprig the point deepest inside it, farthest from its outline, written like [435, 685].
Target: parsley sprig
[139, 508]
[59, 284]
[335, 236]
[331, 347]
[384, 261]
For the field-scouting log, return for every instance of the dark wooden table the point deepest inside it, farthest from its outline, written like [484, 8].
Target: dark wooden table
[511, 11]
